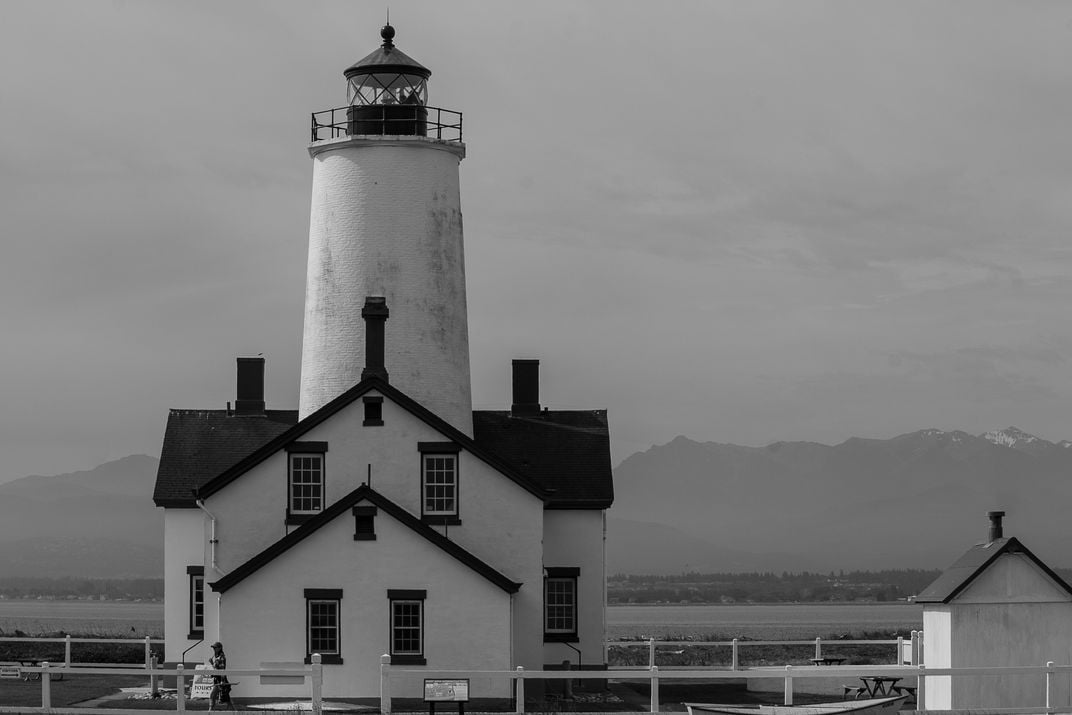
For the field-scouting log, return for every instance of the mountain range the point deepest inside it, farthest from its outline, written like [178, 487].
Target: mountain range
[914, 501]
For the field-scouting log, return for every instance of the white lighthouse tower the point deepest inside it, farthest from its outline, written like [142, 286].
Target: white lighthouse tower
[386, 222]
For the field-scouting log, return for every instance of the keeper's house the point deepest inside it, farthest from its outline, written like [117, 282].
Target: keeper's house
[385, 515]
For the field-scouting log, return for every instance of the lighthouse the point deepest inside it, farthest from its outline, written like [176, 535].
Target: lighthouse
[385, 240]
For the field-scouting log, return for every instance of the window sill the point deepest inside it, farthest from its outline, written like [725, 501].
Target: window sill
[364, 537]
[195, 636]
[326, 659]
[372, 423]
[298, 519]
[408, 660]
[441, 519]
[561, 638]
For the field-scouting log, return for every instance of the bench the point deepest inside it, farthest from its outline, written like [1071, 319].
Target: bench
[903, 689]
[854, 690]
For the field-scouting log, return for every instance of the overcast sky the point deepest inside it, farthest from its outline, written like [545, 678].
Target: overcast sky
[736, 221]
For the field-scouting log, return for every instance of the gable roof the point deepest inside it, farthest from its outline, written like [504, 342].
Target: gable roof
[199, 444]
[330, 409]
[364, 493]
[973, 563]
[566, 452]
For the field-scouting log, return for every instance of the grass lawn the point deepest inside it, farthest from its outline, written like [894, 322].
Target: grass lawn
[72, 689]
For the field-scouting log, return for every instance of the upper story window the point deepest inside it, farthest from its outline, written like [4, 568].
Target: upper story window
[305, 480]
[439, 482]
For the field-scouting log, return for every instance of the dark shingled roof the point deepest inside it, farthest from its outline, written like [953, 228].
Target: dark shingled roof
[978, 559]
[562, 456]
[365, 494]
[199, 444]
[566, 452]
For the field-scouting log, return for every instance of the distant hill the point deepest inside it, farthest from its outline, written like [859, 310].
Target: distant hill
[98, 523]
[914, 501]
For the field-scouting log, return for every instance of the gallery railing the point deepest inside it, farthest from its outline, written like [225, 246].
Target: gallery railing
[387, 120]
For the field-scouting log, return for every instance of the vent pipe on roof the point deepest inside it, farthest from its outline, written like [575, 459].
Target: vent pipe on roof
[995, 525]
[250, 398]
[375, 314]
[526, 388]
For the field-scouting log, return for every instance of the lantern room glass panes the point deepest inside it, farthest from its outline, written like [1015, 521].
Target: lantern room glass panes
[387, 88]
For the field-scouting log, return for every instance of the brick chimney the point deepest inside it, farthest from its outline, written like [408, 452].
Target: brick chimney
[526, 388]
[996, 531]
[250, 396]
[375, 314]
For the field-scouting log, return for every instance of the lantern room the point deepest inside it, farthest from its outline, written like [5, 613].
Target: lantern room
[387, 95]
[387, 92]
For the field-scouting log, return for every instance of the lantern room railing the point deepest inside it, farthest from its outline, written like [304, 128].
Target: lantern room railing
[387, 120]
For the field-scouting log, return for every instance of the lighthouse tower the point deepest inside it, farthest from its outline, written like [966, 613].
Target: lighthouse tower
[385, 241]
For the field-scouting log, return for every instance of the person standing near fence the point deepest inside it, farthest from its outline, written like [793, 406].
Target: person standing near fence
[221, 689]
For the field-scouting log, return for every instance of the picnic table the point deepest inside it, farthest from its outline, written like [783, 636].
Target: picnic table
[879, 685]
[35, 676]
[828, 660]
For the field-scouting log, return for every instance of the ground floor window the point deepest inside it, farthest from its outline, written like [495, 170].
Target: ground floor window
[407, 626]
[560, 604]
[322, 618]
[196, 575]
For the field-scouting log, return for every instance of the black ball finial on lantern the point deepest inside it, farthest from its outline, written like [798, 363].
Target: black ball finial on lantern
[388, 34]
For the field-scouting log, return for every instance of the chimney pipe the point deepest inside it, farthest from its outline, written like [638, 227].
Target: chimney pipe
[995, 525]
[250, 396]
[375, 314]
[526, 388]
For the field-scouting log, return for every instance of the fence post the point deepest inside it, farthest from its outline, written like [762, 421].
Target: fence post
[818, 648]
[318, 685]
[46, 686]
[654, 688]
[67, 650]
[733, 655]
[148, 653]
[921, 690]
[900, 651]
[1049, 686]
[153, 682]
[519, 691]
[180, 691]
[915, 649]
[788, 685]
[385, 684]
[651, 652]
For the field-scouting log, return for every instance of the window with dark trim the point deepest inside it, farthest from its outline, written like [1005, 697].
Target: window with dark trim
[197, 602]
[364, 523]
[373, 410]
[560, 604]
[407, 626]
[439, 482]
[322, 625]
[305, 480]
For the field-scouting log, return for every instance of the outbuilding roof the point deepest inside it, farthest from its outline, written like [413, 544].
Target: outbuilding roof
[364, 493]
[973, 563]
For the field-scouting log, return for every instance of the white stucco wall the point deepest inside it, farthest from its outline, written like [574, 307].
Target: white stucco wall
[502, 523]
[467, 618]
[575, 538]
[386, 221]
[183, 547]
[1012, 614]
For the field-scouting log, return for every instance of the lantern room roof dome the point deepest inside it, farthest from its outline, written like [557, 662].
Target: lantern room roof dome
[387, 59]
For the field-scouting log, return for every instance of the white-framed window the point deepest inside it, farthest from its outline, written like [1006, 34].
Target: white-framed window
[407, 626]
[440, 484]
[323, 632]
[196, 574]
[306, 483]
[560, 604]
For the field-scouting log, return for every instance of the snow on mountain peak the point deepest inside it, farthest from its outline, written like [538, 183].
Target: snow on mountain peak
[1010, 437]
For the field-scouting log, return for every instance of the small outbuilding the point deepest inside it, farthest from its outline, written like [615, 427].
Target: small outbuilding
[998, 605]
